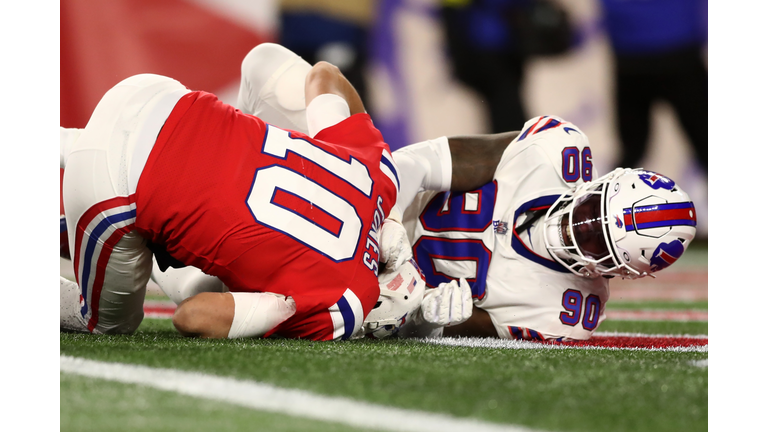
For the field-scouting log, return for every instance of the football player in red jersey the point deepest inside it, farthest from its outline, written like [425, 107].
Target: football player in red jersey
[288, 221]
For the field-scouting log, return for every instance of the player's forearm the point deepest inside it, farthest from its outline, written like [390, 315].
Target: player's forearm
[325, 78]
[232, 315]
[205, 315]
[330, 98]
[475, 158]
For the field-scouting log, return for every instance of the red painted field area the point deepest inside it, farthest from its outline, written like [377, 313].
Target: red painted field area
[640, 342]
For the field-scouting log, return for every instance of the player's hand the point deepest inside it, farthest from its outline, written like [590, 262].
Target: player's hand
[394, 245]
[447, 305]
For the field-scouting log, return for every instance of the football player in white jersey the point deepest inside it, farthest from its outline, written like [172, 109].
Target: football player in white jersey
[536, 233]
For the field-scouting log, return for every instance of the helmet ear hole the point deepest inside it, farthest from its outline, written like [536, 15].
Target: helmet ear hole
[644, 257]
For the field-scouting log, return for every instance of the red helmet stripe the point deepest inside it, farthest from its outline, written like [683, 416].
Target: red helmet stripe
[660, 215]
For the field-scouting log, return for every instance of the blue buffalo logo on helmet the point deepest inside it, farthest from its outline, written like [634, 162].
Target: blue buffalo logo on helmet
[656, 181]
[666, 254]
[619, 223]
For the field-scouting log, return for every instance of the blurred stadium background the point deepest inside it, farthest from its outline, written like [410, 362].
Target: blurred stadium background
[399, 49]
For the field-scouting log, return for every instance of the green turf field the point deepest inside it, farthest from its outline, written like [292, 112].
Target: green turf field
[543, 389]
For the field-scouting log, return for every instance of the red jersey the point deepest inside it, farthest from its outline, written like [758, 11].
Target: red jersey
[265, 209]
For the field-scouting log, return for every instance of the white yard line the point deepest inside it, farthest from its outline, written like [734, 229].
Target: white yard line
[646, 335]
[266, 397]
[523, 344]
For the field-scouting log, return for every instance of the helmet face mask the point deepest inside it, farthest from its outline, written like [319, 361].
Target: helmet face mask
[579, 219]
[628, 223]
[586, 227]
[401, 293]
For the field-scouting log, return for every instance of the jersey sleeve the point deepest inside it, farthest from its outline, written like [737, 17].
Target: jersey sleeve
[355, 131]
[563, 144]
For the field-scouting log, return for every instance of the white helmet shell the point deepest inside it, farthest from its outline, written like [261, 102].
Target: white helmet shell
[401, 293]
[629, 223]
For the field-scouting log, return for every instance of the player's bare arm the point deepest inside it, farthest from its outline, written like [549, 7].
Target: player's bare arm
[232, 315]
[205, 315]
[325, 78]
[475, 158]
[460, 163]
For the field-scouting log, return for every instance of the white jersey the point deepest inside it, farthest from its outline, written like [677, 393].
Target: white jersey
[527, 294]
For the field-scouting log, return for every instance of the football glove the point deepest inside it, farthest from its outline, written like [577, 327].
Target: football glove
[447, 305]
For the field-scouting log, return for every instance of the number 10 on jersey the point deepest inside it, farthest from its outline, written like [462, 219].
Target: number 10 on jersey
[299, 207]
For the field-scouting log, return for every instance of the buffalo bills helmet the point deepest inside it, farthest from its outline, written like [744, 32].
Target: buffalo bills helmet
[629, 223]
[401, 293]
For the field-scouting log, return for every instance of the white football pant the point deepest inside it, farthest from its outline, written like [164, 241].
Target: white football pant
[103, 164]
[272, 86]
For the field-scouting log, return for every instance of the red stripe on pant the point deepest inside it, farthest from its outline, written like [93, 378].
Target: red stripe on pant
[87, 218]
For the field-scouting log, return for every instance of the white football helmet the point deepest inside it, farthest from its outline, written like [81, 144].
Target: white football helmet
[401, 290]
[628, 223]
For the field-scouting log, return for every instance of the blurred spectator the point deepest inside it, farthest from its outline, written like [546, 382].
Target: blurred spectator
[658, 47]
[335, 31]
[488, 42]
